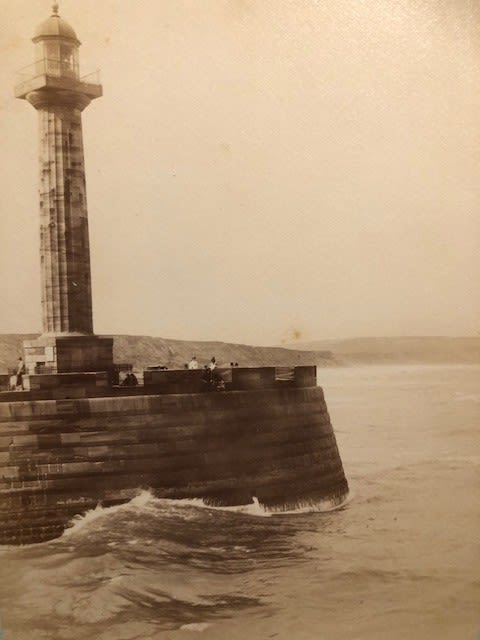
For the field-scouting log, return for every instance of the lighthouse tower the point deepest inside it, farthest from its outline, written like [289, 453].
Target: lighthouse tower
[53, 86]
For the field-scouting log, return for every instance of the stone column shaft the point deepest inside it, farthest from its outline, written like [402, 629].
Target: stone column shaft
[64, 243]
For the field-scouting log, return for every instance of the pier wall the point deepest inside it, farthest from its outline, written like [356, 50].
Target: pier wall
[62, 457]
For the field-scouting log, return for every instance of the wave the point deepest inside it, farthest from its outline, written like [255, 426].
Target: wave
[82, 521]
[253, 509]
[258, 510]
[146, 501]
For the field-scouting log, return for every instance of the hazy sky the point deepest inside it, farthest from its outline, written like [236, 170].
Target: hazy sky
[261, 167]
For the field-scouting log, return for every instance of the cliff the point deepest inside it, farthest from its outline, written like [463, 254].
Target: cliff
[142, 351]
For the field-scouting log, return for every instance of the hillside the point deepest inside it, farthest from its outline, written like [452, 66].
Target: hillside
[401, 350]
[142, 351]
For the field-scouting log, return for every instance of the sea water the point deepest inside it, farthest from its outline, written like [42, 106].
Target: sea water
[401, 560]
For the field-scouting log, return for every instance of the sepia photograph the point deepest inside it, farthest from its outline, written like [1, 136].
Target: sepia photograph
[239, 319]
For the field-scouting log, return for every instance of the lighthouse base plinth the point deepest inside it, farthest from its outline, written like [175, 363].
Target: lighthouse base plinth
[68, 354]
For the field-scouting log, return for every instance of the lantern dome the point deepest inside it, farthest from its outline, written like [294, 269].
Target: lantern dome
[55, 27]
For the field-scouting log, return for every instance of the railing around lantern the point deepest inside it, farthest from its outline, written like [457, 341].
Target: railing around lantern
[91, 78]
[54, 68]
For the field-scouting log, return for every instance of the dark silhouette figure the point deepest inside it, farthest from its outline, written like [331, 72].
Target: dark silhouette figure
[130, 380]
[20, 373]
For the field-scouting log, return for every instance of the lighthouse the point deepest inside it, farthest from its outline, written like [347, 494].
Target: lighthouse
[54, 87]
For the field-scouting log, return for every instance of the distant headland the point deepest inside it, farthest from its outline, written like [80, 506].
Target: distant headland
[398, 350]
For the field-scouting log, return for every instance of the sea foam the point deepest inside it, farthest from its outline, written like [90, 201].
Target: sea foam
[81, 521]
[145, 500]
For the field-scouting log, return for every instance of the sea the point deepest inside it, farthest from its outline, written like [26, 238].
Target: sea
[400, 560]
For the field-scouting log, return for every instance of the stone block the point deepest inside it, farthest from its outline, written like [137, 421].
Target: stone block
[69, 353]
[305, 376]
[70, 382]
[177, 381]
[244, 378]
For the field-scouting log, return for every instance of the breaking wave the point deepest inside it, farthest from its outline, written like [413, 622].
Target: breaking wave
[146, 502]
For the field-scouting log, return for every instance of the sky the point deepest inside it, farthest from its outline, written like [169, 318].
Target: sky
[261, 171]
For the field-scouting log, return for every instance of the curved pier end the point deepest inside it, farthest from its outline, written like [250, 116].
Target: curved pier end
[288, 461]
[59, 458]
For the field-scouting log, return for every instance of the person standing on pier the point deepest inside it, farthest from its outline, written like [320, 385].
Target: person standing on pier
[193, 364]
[20, 373]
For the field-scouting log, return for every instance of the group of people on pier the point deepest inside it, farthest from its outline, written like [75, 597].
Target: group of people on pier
[212, 365]
[211, 378]
[130, 380]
